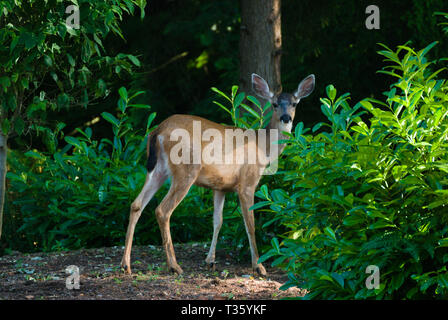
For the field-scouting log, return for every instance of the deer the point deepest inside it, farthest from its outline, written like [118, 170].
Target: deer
[222, 178]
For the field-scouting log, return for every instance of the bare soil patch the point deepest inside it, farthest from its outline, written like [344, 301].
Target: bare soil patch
[42, 276]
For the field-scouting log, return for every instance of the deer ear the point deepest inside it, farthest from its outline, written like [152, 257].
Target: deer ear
[305, 87]
[261, 87]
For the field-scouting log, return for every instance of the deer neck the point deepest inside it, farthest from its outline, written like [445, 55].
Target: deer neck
[275, 125]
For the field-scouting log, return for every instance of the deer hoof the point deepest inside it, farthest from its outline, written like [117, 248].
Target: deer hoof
[176, 269]
[261, 270]
[211, 265]
[126, 268]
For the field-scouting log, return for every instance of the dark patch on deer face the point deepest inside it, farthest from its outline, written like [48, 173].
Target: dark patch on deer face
[284, 107]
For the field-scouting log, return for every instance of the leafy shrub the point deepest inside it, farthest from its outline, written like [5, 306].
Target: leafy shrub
[79, 195]
[369, 192]
[242, 115]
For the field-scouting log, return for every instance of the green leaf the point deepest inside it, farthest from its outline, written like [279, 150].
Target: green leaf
[267, 255]
[436, 204]
[109, 117]
[326, 110]
[234, 91]
[443, 242]
[222, 107]
[259, 205]
[317, 126]
[331, 92]
[428, 48]
[251, 111]
[14, 42]
[326, 278]
[264, 191]
[278, 261]
[48, 61]
[142, 4]
[381, 224]
[339, 279]
[121, 105]
[141, 106]
[35, 155]
[329, 232]
[88, 132]
[134, 60]
[72, 31]
[255, 101]
[222, 94]
[279, 195]
[136, 94]
[275, 244]
[150, 119]
[123, 93]
[73, 141]
[239, 98]
[352, 220]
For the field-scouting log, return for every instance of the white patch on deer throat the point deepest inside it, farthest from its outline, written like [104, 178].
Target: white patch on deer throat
[285, 126]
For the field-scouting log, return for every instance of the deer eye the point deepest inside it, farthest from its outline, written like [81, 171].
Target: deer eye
[275, 105]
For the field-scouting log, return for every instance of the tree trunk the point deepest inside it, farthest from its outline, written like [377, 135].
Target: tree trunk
[3, 150]
[260, 43]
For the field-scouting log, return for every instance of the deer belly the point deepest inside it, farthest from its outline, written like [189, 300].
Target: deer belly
[218, 177]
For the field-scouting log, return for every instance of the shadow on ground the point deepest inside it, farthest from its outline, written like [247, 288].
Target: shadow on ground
[42, 276]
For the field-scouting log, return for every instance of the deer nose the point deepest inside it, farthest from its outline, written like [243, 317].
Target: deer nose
[286, 118]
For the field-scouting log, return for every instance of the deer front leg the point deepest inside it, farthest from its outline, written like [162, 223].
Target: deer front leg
[218, 204]
[247, 200]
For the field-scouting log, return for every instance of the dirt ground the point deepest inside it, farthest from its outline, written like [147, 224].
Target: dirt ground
[42, 276]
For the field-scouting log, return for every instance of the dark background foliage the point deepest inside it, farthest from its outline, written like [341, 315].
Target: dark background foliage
[186, 47]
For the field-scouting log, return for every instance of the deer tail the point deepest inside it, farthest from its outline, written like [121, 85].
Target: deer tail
[151, 151]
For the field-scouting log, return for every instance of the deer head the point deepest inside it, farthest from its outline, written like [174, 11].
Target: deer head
[284, 104]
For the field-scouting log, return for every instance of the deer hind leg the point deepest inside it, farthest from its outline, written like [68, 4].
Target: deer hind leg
[154, 181]
[181, 184]
[218, 204]
[246, 197]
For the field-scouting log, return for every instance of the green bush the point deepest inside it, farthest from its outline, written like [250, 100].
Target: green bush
[369, 187]
[79, 195]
